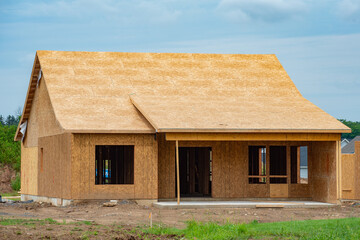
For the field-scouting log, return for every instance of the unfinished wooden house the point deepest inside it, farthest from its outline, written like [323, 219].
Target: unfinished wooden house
[110, 125]
[350, 162]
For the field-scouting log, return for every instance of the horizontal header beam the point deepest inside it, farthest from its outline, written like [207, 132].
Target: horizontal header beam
[253, 136]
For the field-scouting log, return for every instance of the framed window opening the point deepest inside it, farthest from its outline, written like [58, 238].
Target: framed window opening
[114, 164]
[257, 165]
[299, 165]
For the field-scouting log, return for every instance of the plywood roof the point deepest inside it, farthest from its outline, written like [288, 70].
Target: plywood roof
[90, 92]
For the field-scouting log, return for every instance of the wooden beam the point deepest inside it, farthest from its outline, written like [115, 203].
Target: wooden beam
[253, 136]
[177, 173]
[338, 170]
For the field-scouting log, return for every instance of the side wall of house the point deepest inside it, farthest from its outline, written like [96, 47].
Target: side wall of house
[348, 172]
[350, 166]
[42, 122]
[29, 170]
[54, 167]
[323, 172]
[357, 170]
[145, 167]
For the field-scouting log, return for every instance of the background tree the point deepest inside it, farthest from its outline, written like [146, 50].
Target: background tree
[355, 128]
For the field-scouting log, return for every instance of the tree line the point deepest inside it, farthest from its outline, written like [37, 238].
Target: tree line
[355, 129]
[10, 152]
[9, 120]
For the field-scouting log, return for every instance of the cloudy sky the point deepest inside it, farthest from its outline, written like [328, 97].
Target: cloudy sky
[318, 42]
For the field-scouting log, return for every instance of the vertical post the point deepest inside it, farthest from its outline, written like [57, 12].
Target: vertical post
[177, 173]
[340, 175]
[338, 172]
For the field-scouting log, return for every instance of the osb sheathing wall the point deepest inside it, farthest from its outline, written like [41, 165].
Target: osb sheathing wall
[350, 167]
[42, 121]
[145, 167]
[54, 167]
[348, 176]
[230, 169]
[357, 170]
[29, 170]
[323, 172]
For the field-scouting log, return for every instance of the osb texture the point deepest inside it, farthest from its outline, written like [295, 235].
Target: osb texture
[54, 173]
[357, 170]
[253, 136]
[323, 172]
[348, 173]
[230, 170]
[29, 170]
[83, 167]
[90, 92]
[42, 121]
[166, 166]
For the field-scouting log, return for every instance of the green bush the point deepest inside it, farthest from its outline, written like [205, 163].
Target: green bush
[10, 152]
[16, 183]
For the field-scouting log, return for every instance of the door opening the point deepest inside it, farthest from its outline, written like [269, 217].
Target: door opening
[195, 167]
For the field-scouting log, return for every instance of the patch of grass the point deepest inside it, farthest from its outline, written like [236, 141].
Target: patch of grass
[87, 234]
[12, 194]
[348, 228]
[14, 199]
[51, 221]
[13, 222]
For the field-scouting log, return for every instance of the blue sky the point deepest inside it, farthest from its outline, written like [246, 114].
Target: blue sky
[318, 42]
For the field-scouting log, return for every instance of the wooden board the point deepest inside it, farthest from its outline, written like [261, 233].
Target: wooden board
[54, 180]
[175, 90]
[279, 190]
[42, 120]
[252, 137]
[29, 170]
[145, 167]
[348, 176]
[357, 170]
[323, 172]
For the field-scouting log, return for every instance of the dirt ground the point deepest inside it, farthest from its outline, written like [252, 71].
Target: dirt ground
[128, 215]
[7, 174]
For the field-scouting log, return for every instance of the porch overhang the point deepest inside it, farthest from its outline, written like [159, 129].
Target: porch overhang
[253, 136]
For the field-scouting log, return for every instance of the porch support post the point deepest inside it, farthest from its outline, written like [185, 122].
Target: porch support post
[338, 165]
[177, 173]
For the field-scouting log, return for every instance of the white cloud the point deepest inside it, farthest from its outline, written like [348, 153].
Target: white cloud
[349, 9]
[264, 10]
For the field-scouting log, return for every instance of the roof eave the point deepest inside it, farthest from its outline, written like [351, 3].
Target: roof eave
[237, 130]
[29, 96]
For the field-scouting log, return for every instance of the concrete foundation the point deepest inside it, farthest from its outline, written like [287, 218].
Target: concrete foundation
[54, 201]
[241, 204]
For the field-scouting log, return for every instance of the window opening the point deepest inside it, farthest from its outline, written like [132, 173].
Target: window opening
[257, 164]
[299, 165]
[114, 164]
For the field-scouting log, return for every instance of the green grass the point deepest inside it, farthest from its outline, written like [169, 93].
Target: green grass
[12, 194]
[348, 228]
[13, 222]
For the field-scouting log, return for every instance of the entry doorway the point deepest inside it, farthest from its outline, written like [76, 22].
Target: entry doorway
[195, 168]
[278, 172]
